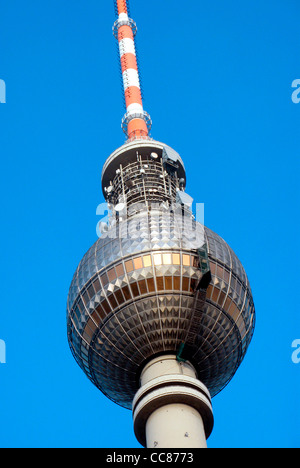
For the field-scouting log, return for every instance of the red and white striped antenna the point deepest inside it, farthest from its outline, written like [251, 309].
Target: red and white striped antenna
[136, 123]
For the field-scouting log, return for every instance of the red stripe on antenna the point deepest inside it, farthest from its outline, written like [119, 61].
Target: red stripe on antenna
[128, 61]
[137, 128]
[125, 32]
[133, 96]
[122, 6]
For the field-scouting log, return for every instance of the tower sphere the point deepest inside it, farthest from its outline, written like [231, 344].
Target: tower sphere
[133, 295]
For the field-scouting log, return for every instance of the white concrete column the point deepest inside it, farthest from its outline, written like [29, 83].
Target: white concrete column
[175, 425]
[172, 409]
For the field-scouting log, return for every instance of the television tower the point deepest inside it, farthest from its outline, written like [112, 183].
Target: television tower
[160, 310]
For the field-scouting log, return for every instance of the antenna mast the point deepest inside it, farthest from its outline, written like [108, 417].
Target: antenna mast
[136, 123]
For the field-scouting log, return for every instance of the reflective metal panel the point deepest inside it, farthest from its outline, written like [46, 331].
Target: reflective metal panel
[133, 297]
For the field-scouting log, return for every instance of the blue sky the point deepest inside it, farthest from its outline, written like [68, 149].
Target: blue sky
[217, 82]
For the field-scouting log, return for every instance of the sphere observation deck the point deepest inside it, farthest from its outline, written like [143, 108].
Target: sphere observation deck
[135, 294]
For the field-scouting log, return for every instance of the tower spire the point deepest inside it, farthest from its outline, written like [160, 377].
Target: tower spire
[160, 310]
[136, 123]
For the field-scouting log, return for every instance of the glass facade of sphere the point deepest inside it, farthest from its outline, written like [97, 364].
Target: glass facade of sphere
[133, 295]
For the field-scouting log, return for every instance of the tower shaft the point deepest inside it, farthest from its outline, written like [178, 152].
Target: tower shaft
[172, 408]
